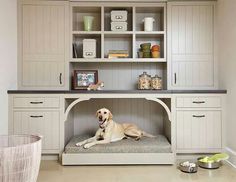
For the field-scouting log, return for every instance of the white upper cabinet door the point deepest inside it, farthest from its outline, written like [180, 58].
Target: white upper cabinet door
[191, 35]
[43, 44]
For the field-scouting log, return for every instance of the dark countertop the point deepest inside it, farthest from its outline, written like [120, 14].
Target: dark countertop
[117, 92]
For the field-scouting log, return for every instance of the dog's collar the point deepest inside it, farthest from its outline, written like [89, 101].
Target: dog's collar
[100, 124]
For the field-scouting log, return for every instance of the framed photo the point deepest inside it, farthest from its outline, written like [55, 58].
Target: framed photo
[83, 78]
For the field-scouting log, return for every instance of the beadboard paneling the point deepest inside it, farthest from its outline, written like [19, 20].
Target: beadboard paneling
[43, 73]
[43, 27]
[47, 126]
[42, 44]
[199, 133]
[191, 73]
[192, 45]
[192, 29]
[147, 115]
[123, 76]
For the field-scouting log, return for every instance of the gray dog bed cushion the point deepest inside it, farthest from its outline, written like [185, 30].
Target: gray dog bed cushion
[158, 144]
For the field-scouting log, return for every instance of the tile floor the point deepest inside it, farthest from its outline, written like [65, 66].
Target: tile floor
[52, 171]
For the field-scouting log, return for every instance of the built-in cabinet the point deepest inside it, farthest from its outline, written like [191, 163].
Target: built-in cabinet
[191, 45]
[49, 29]
[38, 115]
[42, 123]
[43, 45]
[199, 123]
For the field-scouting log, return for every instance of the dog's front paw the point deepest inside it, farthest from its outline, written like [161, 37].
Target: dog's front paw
[88, 145]
[79, 144]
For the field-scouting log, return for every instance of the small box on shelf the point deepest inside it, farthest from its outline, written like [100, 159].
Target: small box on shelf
[118, 19]
[89, 48]
[119, 15]
[86, 46]
[118, 26]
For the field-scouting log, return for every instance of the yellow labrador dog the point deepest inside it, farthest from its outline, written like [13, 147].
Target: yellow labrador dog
[110, 131]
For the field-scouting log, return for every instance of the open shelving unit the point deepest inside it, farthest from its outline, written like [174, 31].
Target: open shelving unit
[119, 73]
[110, 40]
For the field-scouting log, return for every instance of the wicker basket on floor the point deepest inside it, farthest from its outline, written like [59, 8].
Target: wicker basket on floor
[20, 157]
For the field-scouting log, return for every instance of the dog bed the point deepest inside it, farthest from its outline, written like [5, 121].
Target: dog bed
[158, 144]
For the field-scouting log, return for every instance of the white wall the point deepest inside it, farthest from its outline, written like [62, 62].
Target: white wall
[8, 56]
[227, 56]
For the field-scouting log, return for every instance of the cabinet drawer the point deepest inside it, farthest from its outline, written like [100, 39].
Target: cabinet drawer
[45, 123]
[36, 102]
[197, 130]
[198, 102]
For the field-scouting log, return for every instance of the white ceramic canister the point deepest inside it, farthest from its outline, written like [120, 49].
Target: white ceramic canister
[148, 24]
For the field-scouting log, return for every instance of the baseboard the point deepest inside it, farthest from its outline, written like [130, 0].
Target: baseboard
[232, 156]
[49, 157]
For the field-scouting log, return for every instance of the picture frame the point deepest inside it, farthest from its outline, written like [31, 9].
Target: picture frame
[83, 78]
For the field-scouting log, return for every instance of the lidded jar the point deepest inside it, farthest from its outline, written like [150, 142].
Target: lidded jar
[144, 82]
[156, 82]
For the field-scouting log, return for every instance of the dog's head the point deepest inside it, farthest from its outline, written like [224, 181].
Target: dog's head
[104, 116]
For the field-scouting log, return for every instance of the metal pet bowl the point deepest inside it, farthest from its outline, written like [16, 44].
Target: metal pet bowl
[205, 165]
[188, 169]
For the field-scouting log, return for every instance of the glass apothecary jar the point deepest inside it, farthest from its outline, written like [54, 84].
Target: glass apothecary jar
[156, 82]
[144, 81]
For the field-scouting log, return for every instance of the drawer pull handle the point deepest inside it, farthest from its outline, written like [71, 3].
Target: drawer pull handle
[175, 79]
[199, 116]
[119, 27]
[36, 102]
[199, 102]
[89, 53]
[119, 17]
[60, 78]
[36, 116]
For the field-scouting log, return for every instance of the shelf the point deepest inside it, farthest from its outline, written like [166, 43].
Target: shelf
[78, 43]
[78, 12]
[118, 42]
[85, 32]
[107, 17]
[127, 34]
[117, 33]
[154, 39]
[119, 73]
[119, 60]
[156, 12]
[150, 33]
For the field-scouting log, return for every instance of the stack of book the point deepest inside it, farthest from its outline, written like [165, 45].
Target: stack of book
[118, 54]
